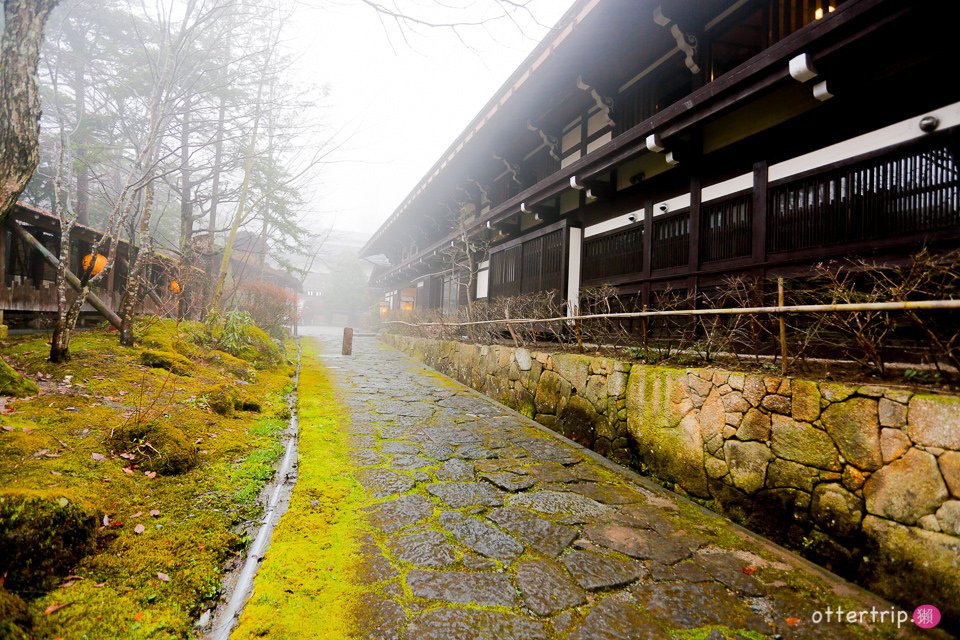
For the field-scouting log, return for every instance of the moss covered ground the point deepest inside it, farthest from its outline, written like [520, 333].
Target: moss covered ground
[304, 587]
[135, 454]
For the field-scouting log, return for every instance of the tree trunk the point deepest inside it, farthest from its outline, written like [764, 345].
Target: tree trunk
[217, 162]
[132, 294]
[19, 95]
[186, 214]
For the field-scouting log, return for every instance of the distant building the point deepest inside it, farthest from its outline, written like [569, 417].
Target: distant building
[659, 145]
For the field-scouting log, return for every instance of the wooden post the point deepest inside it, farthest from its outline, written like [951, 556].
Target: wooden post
[643, 330]
[347, 349]
[783, 329]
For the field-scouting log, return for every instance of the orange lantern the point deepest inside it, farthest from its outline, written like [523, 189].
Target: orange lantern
[175, 286]
[98, 264]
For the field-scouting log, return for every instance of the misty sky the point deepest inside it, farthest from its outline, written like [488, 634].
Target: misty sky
[400, 104]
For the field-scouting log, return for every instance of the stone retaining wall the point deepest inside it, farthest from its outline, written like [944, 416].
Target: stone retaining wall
[863, 479]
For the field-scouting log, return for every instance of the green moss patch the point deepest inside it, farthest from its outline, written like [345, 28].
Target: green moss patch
[304, 587]
[14, 384]
[167, 360]
[165, 528]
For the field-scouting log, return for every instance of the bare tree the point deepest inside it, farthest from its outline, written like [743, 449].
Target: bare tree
[19, 95]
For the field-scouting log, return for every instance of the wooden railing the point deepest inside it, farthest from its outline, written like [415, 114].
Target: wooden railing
[911, 192]
[726, 228]
[612, 254]
[671, 240]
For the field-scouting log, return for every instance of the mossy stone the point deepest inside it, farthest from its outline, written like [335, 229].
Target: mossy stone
[168, 360]
[42, 536]
[14, 384]
[223, 399]
[15, 619]
[240, 369]
[158, 447]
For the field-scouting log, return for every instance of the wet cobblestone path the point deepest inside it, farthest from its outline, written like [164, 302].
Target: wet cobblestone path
[481, 524]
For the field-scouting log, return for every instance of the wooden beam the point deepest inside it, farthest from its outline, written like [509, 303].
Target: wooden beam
[73, 280]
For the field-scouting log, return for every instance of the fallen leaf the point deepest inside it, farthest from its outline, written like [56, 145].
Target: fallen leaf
[68, 584]
[138, 616]
[128, 471]
[136, 515]
[100, 584]
[749, 570]
[116, 523]
[106, 520]
[139, 529]
[201, 547]
[155, 513]
[7, 427]
[151, 474]
[792, 621]
[56, 606]
[163, 576]
[98, 457]
[127, 456]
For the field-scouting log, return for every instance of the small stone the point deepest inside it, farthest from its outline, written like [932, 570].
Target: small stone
[948, 516]
[801, 442]
[736, 381]
[786, 474]
[382, 618]
[893, 444]
[755, 426]
[547, 587]
[734, 401]
[642, 544]
[544, 536]
[835, 392]
[509, 481]
[950, 468]
[594, 571]
[424, 549]
[836, 510]
[727, 569]
[715, 468]
[777, 404]
[853, 478]
[522, 356]
[748, 464]
[698, 385]
[728, 432]
[934, 421]
[771, 383]
[733, 418]
[473, 624]
[481, 537]
[929, 522]
[754, 389]
[870, 390]
[892, 414]
[907, 489]
[898, 395]
[805, 404]
[853, 425]
[466, 494]
[490, 589]
[559, 502]
[614, 619]
[381, 483]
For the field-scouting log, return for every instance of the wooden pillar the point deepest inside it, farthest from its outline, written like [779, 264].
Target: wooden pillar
[573, 256]
[693, 264]
[647, 250]
[759, 216]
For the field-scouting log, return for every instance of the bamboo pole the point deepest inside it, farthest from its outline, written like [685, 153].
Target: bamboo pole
[73, 280]
[912, 305]
[783, 329]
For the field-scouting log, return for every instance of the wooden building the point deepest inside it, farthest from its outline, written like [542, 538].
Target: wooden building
[28, 292]
[666, 144]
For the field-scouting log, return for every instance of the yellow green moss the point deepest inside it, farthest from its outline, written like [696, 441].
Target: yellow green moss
[304, 587]
[68, 442]
[14, 384]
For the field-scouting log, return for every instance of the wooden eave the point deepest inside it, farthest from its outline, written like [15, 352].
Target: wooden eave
[823, 40]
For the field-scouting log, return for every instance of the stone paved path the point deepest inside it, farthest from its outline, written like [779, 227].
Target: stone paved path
[484, 525]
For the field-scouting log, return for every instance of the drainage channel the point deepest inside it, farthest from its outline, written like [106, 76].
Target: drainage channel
[240, 582]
